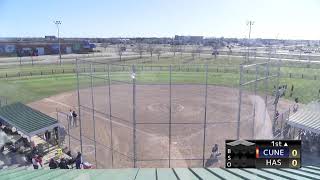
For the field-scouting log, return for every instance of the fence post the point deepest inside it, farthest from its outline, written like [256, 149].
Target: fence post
[134, 113]
[240, 102]
[205, 116]
[110, 115]
[59, 139]
[68, 132]
[93, 111]
[79, 105]
[170, 112]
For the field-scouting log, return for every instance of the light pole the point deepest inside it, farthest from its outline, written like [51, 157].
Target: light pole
[57, 24]
[249, 23]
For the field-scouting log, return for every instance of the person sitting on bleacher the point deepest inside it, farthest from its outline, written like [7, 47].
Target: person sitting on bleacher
[35, 162]
[63, 164]
[53, 164]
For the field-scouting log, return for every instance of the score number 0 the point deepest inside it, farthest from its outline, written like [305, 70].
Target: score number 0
[294, 153]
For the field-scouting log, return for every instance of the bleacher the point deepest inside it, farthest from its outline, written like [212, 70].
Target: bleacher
[304, 173]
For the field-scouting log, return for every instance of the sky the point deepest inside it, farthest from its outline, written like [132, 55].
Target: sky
[283, 19]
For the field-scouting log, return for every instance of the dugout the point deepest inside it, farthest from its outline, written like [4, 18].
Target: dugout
[305, 125]
[307, 118]
[27, 121]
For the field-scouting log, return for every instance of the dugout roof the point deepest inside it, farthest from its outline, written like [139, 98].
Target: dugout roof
[28, 121]
[307, 118]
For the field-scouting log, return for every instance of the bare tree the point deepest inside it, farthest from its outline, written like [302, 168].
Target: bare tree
[229, 51]
[215, 50]
[158, 51]
[198, 49]
[181, 50]
[174, 49]
[139, 49]
[104, 45]
[151, 49]
[120, 49]
[194, 51]
[216, 45]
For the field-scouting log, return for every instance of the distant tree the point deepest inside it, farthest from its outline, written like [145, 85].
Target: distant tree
[105, 46]
[151, 49]
[215, 50]
[120, 49]
[174, 49]
[139, 49]
[198, 49]
[229, 50]
[158, 51]
[194, 51]
[180, 49]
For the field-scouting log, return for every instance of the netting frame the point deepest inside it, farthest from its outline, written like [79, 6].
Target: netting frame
[132, 83]
[266, 78]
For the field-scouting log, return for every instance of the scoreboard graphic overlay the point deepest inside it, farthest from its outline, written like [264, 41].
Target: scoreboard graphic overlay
[263, 153]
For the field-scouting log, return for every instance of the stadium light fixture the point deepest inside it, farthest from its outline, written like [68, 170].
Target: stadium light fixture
[58, 23]
[250, 24]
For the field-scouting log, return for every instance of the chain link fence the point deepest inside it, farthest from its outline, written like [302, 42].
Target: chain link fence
[167, 116]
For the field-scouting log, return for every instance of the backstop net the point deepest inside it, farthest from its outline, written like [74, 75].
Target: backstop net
[168, 116]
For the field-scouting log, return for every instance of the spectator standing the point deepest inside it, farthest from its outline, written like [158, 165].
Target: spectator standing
[78, 161]
[75, 120]
[296, 105]
[70, 116]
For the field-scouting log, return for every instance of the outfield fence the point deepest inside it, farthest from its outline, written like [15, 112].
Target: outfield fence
[7, 73]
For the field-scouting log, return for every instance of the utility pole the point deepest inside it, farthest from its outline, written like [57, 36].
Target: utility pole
[57, 24]
[249, 23]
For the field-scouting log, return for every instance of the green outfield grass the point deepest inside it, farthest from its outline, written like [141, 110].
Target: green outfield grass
[28, 89]
[48, 80]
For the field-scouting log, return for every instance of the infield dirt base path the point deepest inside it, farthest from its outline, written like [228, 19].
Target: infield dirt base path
[152, 128]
